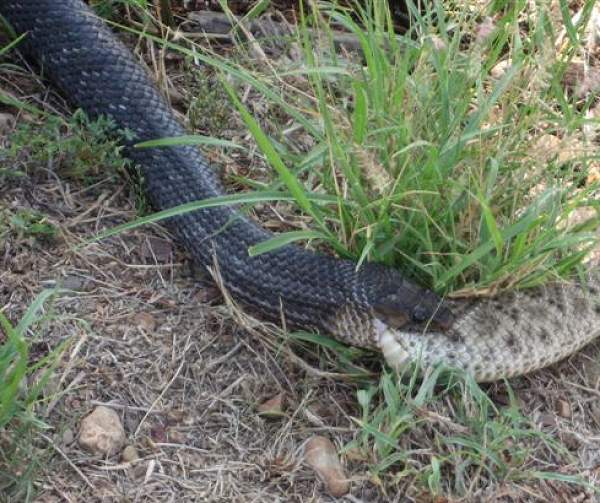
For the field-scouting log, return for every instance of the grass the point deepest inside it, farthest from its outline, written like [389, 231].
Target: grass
[429, 156]
[472, 443]
[77, 148]
[22, 379]
[82, 149]
[422, 155]
[25, 224]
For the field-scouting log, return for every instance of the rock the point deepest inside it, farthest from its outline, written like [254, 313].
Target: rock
[145, 321]
[129, 454]
[563, 409]
[102, 431]
[594, 175]
[498, 71]
[68, 437]
[272, 407]
[7, 122]
[72, 282]
[547, 420]
[484, 30]
[320, 454]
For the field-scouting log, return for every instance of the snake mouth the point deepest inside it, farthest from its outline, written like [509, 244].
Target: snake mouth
[422, 317]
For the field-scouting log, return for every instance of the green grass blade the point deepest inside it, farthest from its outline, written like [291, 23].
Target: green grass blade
[189, 140]
[283, 239]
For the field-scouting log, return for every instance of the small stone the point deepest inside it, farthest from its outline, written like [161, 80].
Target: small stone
[145, 321]
[129, 454]
[547, 420]
[320, 454]
[500, 69]
[272, 407]
[7, 122]
[438, 43]
[356, 454]
[594, 175]
[68, 436]
[75, 283]
[102, 432]
[563, 409]
[156, 249]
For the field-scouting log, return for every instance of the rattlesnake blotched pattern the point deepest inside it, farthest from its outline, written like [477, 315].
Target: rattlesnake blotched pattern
[371, 307]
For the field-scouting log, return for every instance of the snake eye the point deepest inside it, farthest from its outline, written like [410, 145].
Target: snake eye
[420, 314]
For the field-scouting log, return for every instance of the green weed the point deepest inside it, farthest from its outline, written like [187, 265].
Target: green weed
[428, 151]
[79, 148]
[21, 383]
[27, 224]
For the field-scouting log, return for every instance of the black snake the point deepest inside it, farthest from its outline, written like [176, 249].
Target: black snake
[372, 307]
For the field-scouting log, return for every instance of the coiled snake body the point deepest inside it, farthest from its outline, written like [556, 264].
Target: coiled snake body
[373, 307]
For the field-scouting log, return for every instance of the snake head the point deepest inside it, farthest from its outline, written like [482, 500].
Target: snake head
[412, 305]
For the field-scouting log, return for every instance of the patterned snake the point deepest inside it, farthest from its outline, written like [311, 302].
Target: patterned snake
[372, 307]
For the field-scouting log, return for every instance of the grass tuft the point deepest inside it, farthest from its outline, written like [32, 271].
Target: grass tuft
[22, 380]
[430, 150]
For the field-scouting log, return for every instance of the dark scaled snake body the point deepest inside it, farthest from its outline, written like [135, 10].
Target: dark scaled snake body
[373, 307]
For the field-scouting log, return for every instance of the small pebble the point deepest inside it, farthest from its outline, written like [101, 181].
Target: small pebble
[129, 454]
[500, 69]
[145, 321]
[272, 407]
[563, 409]
[484, 30]
[68, 436]
[102, 431]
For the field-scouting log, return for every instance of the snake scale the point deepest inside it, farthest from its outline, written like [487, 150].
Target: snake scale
[373, 307]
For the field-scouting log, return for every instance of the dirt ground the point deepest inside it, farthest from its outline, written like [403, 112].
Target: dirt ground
[154, 342]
